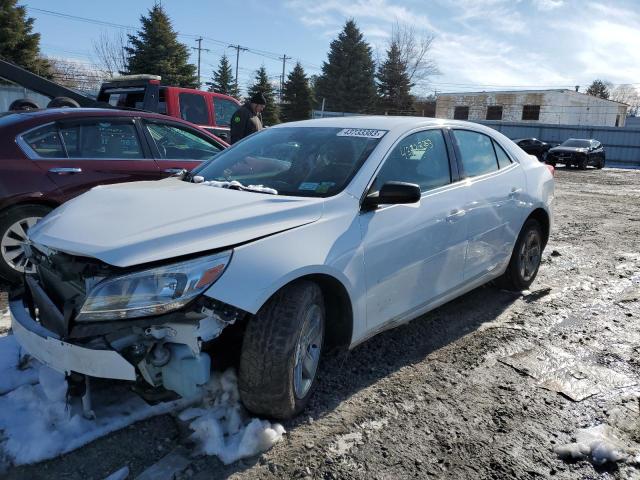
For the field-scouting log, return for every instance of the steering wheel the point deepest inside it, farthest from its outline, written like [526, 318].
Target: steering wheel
[162, 144]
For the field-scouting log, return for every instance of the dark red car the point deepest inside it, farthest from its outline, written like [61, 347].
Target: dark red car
[50, 156]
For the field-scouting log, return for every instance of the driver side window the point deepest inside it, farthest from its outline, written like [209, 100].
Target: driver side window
[419, 158]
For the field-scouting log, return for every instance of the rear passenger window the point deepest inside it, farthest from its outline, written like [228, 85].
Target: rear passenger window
[224, 110]
[420, 158]
[478, 156]
[193, 108]
[503, 159]
[45, 142]
[102, 140]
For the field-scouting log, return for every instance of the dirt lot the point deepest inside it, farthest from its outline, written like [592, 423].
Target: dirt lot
[445, 396]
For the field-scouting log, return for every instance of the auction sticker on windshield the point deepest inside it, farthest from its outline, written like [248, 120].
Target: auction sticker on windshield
[361, 132]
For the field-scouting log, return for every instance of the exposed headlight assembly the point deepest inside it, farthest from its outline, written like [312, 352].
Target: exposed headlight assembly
[154, 291]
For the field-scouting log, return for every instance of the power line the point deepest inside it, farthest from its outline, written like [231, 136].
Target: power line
[199, 49]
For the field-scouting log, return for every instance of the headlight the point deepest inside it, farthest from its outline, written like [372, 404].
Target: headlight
[152, 292]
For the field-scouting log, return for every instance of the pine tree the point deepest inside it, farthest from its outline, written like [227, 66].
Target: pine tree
[156, 50]
[347, 81]
[394, 85]
[270, 114]
[17, 43]
[223, 80]
[599, 88]
[297, 97]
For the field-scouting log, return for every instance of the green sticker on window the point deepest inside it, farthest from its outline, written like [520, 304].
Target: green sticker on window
[236, 119]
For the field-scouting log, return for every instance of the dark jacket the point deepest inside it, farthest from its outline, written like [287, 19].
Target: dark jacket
[244, 122]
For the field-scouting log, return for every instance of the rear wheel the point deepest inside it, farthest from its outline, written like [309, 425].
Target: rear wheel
[525, 259]
[14, 225]
[281, 352]
[582, 163]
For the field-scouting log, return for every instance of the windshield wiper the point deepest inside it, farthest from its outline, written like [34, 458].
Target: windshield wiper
[236, 185]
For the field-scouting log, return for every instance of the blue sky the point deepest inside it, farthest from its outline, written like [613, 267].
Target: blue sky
[479, 44]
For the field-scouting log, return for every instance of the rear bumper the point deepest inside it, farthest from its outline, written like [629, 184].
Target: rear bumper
[46, 346]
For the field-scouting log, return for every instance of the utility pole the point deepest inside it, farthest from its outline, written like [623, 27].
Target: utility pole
[238, 48]
[199, 49]
[284, 62]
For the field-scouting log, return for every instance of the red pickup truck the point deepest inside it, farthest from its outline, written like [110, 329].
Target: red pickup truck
[211, 111]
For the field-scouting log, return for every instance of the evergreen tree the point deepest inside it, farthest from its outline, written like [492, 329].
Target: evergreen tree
[156, 50]
[270, 114]
[599, 88]
[347, 81]
[223, 80]
[394, 85]
[297, 97]
[17, 43]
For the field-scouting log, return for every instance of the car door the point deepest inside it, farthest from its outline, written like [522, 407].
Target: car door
[176, 146]
[414, 253]
[494, 201]
[90, 152]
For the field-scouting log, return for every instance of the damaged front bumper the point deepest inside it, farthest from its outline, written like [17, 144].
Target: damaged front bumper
[163, 351]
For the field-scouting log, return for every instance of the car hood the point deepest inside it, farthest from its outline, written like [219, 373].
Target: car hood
[569, 149]
[133, 223]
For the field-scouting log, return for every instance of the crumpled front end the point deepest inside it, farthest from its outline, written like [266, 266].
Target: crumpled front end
[66, 317]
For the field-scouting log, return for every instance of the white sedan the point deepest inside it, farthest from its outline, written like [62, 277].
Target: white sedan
[302, 236]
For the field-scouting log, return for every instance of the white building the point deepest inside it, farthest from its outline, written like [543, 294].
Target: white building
[564, 107]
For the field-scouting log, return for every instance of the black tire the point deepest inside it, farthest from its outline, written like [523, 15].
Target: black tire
[23, 104]
[513, 278]
[267, 360]
[582, 163]
[60, 102]
[600, 163]
[8, 218]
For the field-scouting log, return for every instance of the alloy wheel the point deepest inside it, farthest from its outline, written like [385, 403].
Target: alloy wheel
[529, 255]
[11, 245]
[308, 351]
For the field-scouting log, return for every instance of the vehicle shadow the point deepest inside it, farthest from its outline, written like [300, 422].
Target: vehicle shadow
[345, 373]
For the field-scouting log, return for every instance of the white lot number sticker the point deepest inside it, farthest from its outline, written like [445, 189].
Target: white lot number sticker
[361, 132]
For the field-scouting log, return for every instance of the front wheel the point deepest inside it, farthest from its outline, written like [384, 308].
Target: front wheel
[600, 163]
[525, 259]
[14, 225]
[281, 351]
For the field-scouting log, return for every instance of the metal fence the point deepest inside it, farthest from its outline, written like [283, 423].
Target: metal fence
[622, 145]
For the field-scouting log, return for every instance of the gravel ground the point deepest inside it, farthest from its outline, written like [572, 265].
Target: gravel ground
[435, 398]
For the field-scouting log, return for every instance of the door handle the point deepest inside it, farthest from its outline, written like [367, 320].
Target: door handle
[173, 171]
[455, 215]
[65, 170]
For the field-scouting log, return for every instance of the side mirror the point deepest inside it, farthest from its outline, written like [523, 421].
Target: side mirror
[392, 193]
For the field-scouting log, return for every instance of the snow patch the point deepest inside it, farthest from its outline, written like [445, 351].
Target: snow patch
[237, 185]
[15, 369]
[221, 426]
[121, 474]
[598, 444]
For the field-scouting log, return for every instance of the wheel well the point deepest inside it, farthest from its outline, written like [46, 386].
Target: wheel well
[543, 219]
[339, 313]
[31, 201]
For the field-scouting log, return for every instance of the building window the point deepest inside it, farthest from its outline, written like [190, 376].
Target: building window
[494, 112]
[461, 113]
[531, 112]
[617, 120]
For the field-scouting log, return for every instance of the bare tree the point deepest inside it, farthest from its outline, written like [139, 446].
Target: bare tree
[628, 94]
[75, 74]
[415, 48]
[110, 53]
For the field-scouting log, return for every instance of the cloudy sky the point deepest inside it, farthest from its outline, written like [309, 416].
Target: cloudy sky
[479, 44]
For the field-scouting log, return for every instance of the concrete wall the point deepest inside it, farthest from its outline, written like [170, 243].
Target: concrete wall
[560, 107]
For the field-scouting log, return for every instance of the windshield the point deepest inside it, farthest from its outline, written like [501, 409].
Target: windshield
[572, 142]
[298, 161]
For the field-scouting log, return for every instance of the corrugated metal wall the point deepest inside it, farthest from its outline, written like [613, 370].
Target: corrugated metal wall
[622, 145]
[9, 93]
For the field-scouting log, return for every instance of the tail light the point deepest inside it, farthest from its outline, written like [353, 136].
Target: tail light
[551, 169]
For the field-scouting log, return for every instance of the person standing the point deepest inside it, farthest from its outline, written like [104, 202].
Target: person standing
[248, 118]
